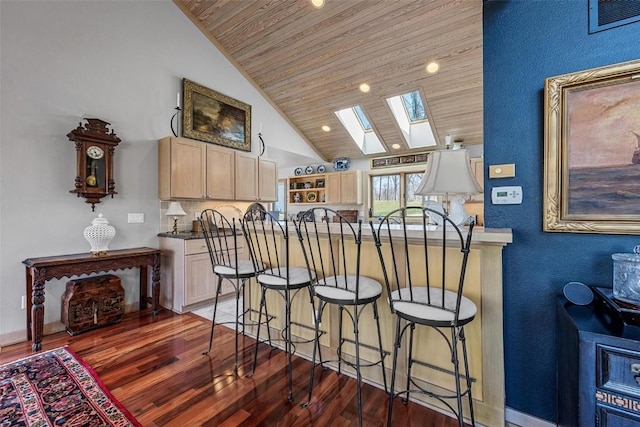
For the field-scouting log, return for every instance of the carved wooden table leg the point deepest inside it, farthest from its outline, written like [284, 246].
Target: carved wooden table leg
[37, 309]
[155, 284]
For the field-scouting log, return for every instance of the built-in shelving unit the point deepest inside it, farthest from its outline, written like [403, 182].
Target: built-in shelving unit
[307, 188]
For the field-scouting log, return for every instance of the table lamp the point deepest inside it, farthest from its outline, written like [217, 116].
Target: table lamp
[449, 172]
[176, 210]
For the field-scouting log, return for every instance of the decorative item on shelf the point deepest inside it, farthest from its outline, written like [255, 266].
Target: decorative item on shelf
[626, 276]
[449, 173]
[175, 210]
[307, 185]
[312, 196]
[341, 164]
[95, 146]
[319, 183]
[176, 116]
[309, 170]
[296, 198]
[321, 169]
[99, 234]
[297, 172]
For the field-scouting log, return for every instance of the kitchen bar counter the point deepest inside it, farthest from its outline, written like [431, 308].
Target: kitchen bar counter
[484, 335]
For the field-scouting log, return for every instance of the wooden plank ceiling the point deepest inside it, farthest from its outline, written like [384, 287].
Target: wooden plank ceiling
[310, 62]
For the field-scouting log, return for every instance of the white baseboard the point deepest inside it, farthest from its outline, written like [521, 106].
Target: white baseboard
[525, 420]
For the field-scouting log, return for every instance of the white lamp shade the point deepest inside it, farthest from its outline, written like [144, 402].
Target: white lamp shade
[448, 172]
[175, 209]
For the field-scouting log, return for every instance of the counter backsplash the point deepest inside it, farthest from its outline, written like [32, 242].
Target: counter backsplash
[193, 210]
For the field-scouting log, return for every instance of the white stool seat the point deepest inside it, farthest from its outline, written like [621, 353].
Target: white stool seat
[277, 278]
[245, 268]
[341, 288]
[419, 308]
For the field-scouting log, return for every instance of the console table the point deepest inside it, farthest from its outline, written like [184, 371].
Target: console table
[39, 270]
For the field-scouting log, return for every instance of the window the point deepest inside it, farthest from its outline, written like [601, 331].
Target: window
[393, 191]
[356, 123]
[410, 114]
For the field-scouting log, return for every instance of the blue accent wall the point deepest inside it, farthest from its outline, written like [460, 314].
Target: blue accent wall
[524, 43]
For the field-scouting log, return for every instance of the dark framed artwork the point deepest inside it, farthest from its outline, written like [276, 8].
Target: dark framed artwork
[319, 183]
[216, 118]
[592, 151]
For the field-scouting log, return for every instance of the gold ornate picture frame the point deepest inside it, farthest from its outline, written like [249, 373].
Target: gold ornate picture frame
[216, 118]
[592, 151]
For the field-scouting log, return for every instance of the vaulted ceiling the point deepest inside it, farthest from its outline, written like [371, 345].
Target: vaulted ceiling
[310, 62]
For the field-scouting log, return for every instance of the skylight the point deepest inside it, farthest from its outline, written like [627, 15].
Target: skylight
[414, 106]
[363, 119]
[411, 115]
[356, 123]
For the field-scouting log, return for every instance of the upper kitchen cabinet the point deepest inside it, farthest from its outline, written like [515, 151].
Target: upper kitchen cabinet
[189, 169]
[181, 169]
[221, 175]
[344, 188]
[256, 178]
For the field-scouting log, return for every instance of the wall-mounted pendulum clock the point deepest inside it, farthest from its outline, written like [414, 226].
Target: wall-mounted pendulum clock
[95, 146]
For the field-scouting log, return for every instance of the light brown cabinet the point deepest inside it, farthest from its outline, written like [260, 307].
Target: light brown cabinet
[256, 178]
[181, 169]
[344, 188]
[189, 169]
[188, 279]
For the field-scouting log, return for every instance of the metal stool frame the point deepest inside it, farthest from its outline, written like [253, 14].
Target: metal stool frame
[414, 298]
[262, 232]
[338, 282]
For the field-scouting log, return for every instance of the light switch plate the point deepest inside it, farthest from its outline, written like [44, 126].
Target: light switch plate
[506, 195]
[502, 171]
[135, 218]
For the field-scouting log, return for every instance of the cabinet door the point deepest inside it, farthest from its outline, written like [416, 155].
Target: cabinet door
[246, 177]
[200, 282]
[220, 173]
[181, 169]
[267, 180]
[350, 188]
[332, 192]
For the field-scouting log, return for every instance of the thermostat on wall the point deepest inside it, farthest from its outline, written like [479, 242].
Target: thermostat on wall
[506, 195]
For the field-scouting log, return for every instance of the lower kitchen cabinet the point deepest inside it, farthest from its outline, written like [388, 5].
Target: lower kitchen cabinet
[598, 368]
[188, 281]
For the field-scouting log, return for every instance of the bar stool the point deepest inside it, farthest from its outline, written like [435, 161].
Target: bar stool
[268, 242]
[222, 242]
[332, 253]
[425, 289]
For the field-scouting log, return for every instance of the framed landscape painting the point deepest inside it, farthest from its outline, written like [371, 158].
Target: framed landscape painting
[213, 117]
[592, 151]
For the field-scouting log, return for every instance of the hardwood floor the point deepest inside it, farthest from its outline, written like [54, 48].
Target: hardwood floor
[155, 367]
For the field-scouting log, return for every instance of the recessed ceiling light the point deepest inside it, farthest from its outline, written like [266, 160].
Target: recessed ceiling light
[432, 67]
[317, 3]
[395, 146]
[326, 128]
[364, 88]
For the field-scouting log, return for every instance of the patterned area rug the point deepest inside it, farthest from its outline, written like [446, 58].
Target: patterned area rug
[57, 388]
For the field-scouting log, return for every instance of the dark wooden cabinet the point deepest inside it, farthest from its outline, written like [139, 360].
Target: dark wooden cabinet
[598, 368]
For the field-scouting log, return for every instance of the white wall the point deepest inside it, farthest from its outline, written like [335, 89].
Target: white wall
[122, 62]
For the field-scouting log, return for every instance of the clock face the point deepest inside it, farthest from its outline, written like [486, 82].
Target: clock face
[95, 152]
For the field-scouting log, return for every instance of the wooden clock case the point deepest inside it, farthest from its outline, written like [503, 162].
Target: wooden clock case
[94, 176]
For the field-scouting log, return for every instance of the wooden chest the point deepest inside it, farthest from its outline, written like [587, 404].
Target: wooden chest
[92, 302]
